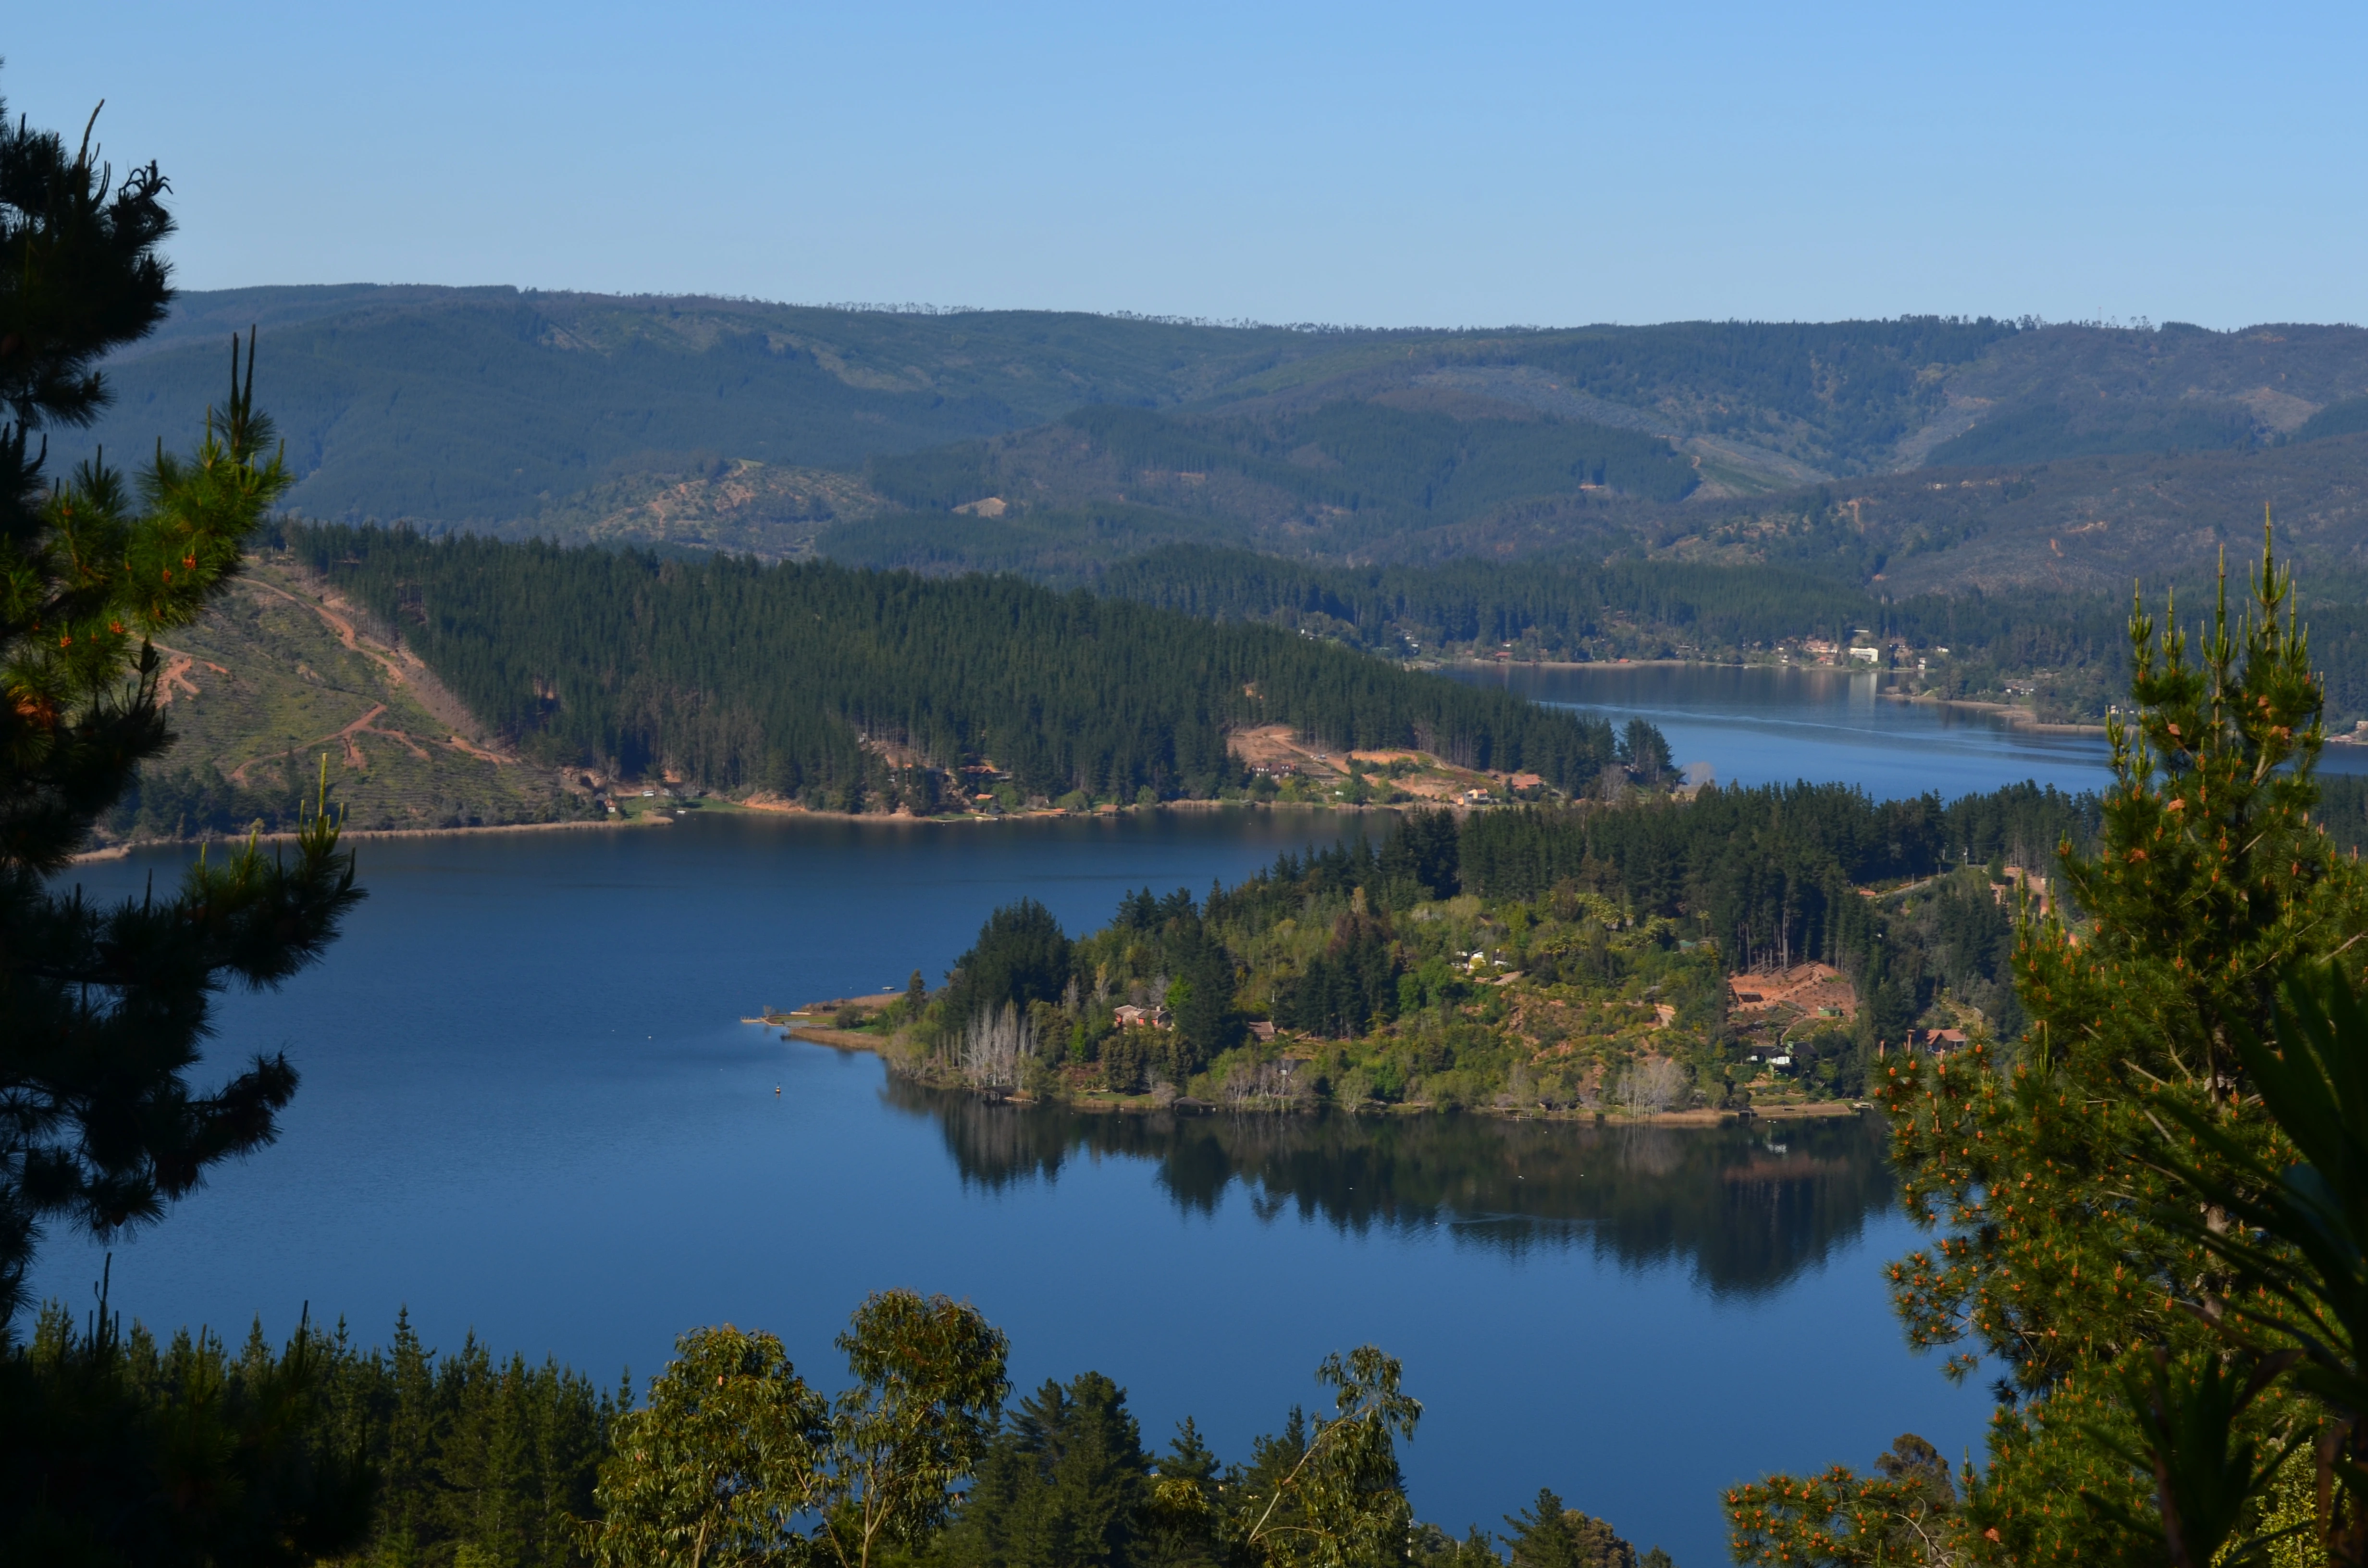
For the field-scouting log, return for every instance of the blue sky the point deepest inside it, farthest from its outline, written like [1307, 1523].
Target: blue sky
[1370, 163]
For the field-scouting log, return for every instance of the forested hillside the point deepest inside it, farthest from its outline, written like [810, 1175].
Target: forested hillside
[1369, 469]
[861, 691]
[731, 425]
[1621, 608]
[2089, 524]
[528, 399]
[2053, 497]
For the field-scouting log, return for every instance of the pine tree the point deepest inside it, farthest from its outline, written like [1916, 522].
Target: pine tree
[1064, 1485]
[1180, 1525]
[102, 1009]
[1543, 1536]
[1547, 1535]
[2061, 1258]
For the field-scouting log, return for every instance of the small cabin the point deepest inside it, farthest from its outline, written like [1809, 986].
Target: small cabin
[1131, 1016]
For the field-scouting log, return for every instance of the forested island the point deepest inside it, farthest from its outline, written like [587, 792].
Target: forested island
[1745, 948]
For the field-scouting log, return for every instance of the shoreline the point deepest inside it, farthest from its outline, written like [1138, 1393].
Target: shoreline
[659, 819]
[1814, 1111]
[2010, 714]
[120, 851]
[2013, 714]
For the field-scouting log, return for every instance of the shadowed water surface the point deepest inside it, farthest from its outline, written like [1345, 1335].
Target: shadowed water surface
[1744, 1211]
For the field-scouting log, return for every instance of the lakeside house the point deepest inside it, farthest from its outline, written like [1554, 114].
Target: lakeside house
[1931, 1043]
[1131, 1016]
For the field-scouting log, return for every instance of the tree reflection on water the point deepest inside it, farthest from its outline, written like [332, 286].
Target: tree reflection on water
[1747, 1208]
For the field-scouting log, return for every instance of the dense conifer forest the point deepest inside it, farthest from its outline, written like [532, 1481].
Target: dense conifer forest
[1626, 608]
[853, 690]
[320, 1450]
[2067, 654]
[1392, 466]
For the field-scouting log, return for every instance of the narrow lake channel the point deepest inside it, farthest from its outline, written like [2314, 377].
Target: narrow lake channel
[1769, 725]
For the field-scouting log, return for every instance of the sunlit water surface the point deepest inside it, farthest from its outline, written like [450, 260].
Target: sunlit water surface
[528, 1108]
[1766, 726]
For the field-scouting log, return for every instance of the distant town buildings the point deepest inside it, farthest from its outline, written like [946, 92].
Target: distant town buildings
[1862, 648]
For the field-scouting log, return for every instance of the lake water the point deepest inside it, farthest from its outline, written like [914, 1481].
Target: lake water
[1767, 725]
[528, 1109]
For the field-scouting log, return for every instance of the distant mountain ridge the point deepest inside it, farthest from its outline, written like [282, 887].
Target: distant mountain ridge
[1046, 442]
[484, 406]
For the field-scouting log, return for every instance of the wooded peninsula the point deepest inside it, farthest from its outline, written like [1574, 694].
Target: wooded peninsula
[909, 693]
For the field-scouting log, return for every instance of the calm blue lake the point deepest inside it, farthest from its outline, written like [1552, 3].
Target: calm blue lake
[529, 1109]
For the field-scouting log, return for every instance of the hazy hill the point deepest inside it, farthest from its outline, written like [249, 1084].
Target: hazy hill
[2081, 484]
[490, 405]
[1924, 453]
[2072, 390]
[2092, 523]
